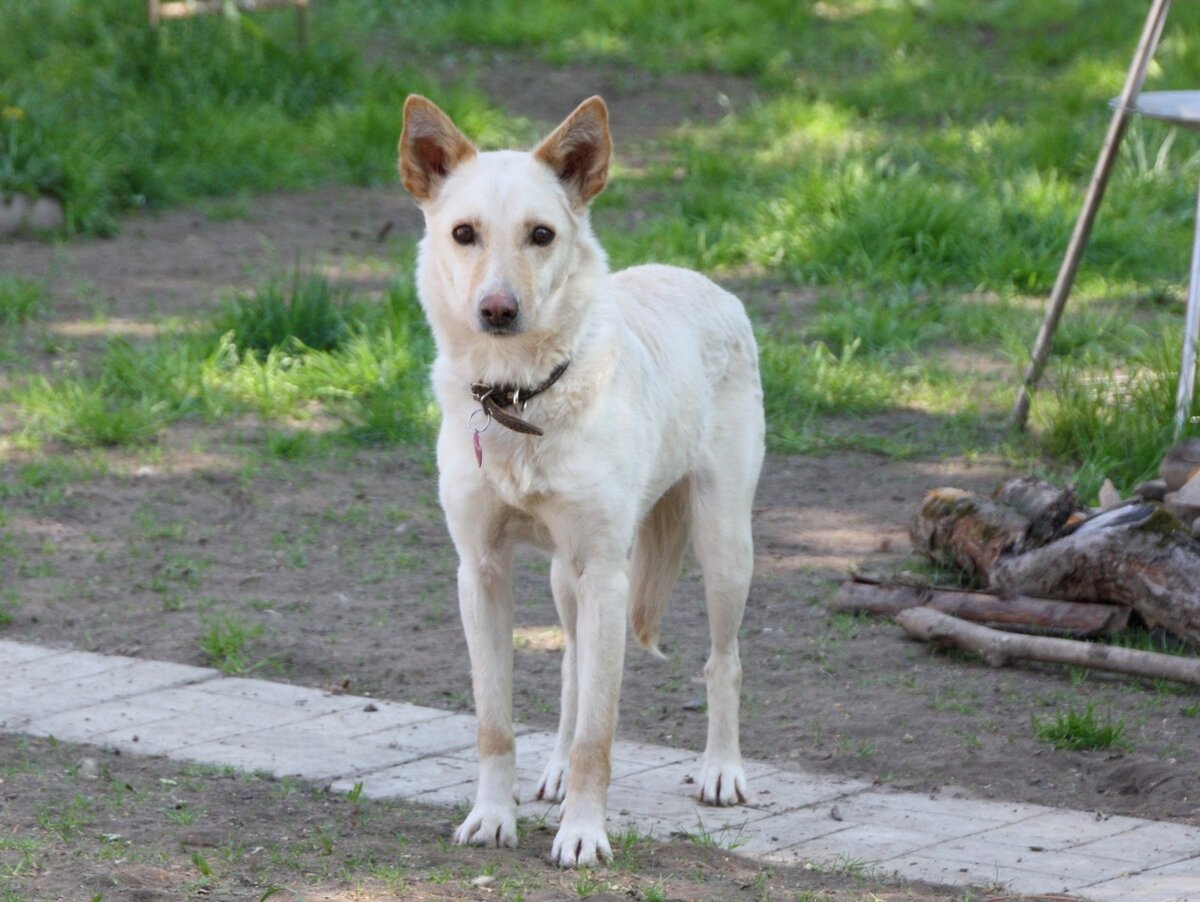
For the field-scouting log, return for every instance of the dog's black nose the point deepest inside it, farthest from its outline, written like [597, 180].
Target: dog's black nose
[497, 311]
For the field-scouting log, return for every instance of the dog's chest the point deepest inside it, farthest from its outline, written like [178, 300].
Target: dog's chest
[519, 469]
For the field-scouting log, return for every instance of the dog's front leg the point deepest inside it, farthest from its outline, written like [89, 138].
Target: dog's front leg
[486, 604]
[602, 594]
[552, 786]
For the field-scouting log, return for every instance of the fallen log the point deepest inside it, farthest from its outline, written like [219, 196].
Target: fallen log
[1138, 555]
[956, 528]
[1046, 507]
[999, 648]
[1021, 613]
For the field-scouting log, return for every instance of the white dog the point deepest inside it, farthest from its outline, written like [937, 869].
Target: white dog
[601, 417]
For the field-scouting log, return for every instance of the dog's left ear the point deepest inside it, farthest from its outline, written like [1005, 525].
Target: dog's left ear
[579, 150]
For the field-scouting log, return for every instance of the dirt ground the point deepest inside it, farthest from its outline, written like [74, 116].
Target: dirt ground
[127, 829]
[343, 559]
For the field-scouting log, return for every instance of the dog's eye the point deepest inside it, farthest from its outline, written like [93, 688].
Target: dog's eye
[541, 235]
[464, 234]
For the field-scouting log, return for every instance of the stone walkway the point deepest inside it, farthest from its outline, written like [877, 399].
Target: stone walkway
[401, 750]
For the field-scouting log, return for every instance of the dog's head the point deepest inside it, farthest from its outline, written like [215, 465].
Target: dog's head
[506, 232]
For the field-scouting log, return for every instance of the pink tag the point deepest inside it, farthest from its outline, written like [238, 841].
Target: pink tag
[478, 448]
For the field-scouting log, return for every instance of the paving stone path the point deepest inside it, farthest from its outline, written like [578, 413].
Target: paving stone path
[398, 750]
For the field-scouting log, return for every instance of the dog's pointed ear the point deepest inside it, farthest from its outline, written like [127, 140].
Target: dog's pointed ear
[431, 147]
[579, 150]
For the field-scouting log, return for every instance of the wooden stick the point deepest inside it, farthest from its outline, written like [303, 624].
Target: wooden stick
[1078, 619]
[999, 649]
[1087, 213]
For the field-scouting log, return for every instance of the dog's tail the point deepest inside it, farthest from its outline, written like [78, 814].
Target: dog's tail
[657, 558]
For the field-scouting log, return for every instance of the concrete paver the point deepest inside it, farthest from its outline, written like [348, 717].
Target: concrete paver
[14, 653]
[412, 778]
[787, 790]
[1049, 865]
[1176, 881]
[1157, 843]
[375, 717]
[1058, 830]
[398, 750]
[98, 721]
[291, 751]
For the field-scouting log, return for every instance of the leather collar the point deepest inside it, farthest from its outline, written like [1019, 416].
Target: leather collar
[497, 399]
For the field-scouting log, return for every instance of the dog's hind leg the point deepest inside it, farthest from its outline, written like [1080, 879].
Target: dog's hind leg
[553, 784]
[721, 515]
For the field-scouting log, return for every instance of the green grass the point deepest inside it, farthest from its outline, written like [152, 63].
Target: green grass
[224, 643]
[916, 166]
[308, 310]
[109, 115]
[21, 300]
[10, 602]
[286, 351]
[1156, 640]
[727, 838]
[1080, 730]
[84, 414]
[1113, 422]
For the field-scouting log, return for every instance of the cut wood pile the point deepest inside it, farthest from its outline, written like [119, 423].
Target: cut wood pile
[1045, 565]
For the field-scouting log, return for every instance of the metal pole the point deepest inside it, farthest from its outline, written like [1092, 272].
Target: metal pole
[1087, 214]
[1187, 367]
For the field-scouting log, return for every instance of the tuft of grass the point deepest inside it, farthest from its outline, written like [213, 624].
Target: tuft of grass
[224, 643]
[308, 310]
[10, 602]
[202, 864]
[21, 300]
[727, 838]
[1113, 422]
[801, 381]
[84, 414]
[294, 445]
[1080, 729]
[1156, 640]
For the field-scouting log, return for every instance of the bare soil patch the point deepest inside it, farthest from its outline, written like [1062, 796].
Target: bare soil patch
[642, 105]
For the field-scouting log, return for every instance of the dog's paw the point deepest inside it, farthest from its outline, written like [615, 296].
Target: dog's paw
[580, 847]
[488, 825]
[552, 787]
[723, 784]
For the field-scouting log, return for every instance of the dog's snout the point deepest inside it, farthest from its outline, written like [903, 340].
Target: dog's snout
[498, 311]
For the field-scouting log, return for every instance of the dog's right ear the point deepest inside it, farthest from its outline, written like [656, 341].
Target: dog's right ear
[431, 146]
